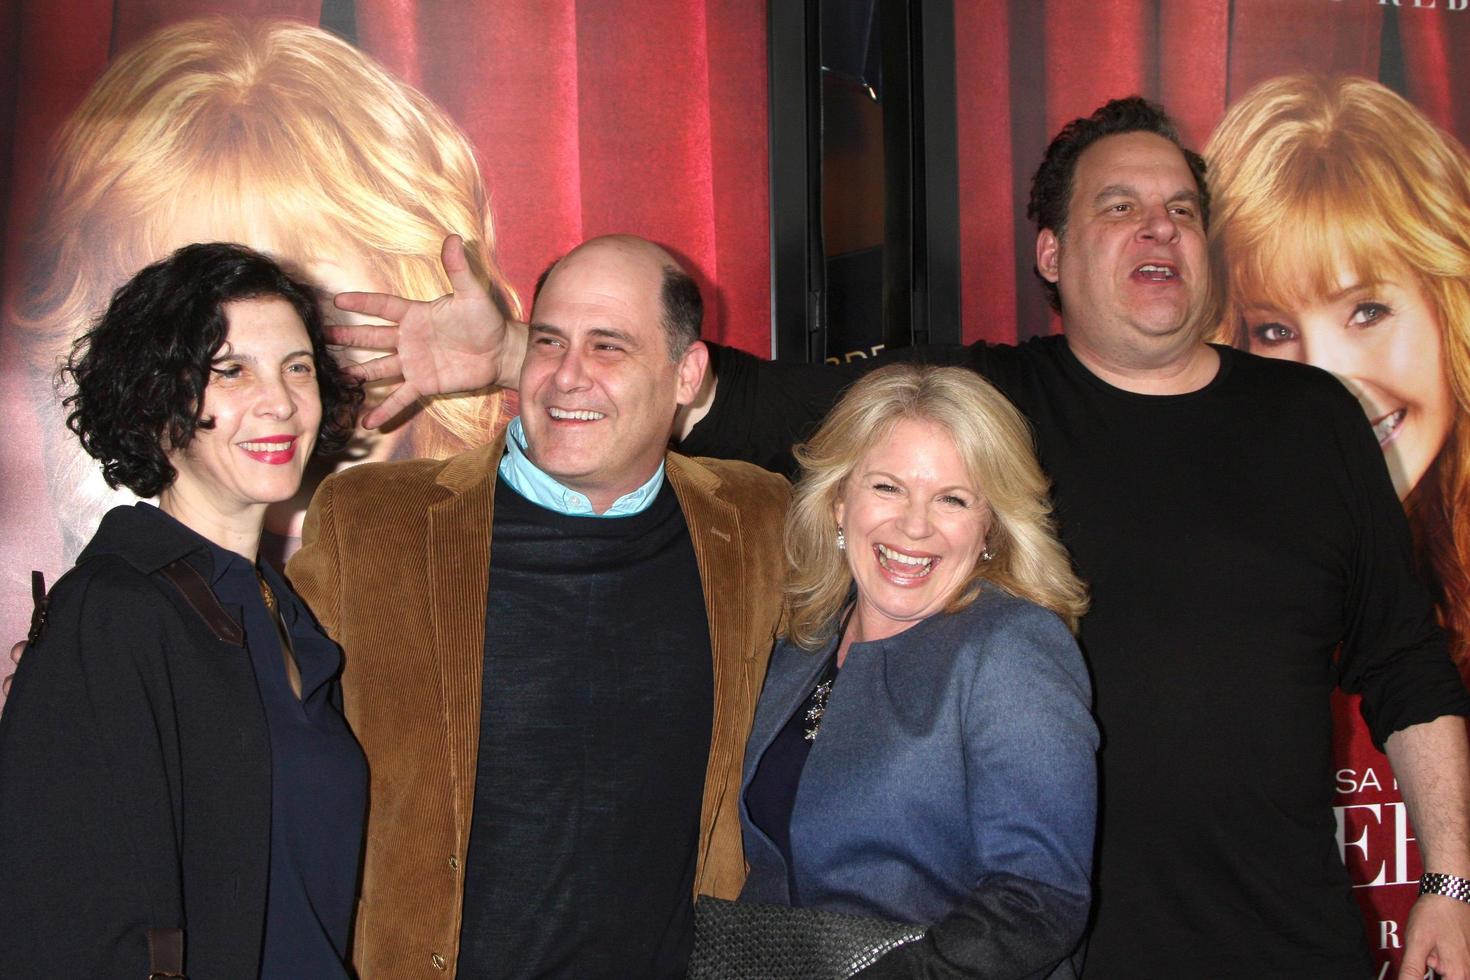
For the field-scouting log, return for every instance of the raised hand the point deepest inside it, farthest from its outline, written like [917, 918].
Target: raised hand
[458, 342]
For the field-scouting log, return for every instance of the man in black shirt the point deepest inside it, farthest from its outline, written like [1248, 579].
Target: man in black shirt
[1236, 524]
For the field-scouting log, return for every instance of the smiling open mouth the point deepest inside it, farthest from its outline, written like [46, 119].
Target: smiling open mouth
[273, 446]
[910, 566]
[1156, 272]
[581, 415]
[273, 450]
[1387, 427]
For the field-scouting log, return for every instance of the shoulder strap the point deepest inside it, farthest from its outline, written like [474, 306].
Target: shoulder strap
[38, 607]
[166, 954]
[184, 576]
[166, 945]
[202, 600]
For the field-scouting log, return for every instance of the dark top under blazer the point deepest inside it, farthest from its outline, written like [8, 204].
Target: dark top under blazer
[135, 772]
[953, 783]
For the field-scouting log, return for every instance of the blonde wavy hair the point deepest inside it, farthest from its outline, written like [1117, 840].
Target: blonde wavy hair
[1309, 172]
[994, 442]
[251, 129]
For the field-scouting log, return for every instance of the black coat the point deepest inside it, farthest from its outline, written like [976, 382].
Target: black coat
[135, 770]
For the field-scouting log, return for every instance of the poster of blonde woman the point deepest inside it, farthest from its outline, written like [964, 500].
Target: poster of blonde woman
[273, 134]
[1343, 232]
[1342, 240]
[345, 140]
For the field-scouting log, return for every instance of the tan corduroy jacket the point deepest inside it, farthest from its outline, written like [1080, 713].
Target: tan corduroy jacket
[395, 563]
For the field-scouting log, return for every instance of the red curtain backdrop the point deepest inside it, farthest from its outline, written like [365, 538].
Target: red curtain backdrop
[646, 116]
[1025, 68]
[650, 116]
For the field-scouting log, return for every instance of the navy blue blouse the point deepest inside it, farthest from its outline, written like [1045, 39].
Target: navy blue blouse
[318, 778]
[771, 795]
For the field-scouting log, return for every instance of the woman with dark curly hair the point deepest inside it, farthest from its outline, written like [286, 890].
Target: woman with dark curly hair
[176, 776]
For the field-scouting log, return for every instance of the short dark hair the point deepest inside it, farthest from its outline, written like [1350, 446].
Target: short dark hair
[683, 307]
[1051, 187]
[683, 310]
[138, 376]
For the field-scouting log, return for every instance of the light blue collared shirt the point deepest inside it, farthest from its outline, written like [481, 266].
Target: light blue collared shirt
[533, 483]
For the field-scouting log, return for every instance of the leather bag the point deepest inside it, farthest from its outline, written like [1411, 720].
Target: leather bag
[748, 941]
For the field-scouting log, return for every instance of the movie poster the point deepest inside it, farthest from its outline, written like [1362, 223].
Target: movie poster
[1335, 132]
[349, 138]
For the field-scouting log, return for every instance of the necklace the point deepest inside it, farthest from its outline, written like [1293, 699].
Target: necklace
[816, 704]
[816, 708]
[266, 593]
[272, 606]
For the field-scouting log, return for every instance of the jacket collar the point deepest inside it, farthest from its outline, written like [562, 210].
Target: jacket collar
[536, 485]
[691, 473]
[152, 542]
[472, 469]
[148, 539]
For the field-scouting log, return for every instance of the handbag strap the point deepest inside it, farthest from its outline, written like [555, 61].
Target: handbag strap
[38, 607]
[202, 600]
[166, 954]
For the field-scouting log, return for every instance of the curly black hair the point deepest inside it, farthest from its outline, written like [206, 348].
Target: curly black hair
[138, 376]
[1051, 188]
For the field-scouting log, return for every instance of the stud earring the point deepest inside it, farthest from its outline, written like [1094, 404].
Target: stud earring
[841, 539]
[986, 555]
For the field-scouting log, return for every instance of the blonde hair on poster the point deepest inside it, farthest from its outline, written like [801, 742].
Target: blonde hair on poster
[273, 133]
[1312, 173]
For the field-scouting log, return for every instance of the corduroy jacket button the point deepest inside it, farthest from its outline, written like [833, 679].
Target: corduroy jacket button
[438, 961]
[454, 862]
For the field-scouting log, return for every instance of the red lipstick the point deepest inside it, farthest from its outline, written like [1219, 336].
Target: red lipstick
[274, 450]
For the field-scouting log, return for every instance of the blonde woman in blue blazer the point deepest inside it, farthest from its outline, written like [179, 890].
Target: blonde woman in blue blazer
[924, 748]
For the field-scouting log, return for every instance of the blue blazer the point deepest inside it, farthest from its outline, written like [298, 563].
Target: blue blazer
[953, 784]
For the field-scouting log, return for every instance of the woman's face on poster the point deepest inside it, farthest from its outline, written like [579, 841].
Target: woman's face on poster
[1381, 336]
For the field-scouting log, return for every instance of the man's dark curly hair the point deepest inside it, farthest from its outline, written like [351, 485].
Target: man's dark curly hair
[138, 376]
[1051, 188]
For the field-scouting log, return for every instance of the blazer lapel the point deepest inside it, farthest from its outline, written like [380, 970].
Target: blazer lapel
[714, 528]
[790, 679]
[459, 579]
[789, 682]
